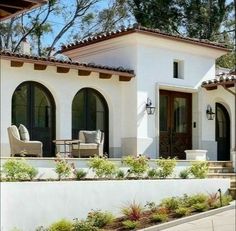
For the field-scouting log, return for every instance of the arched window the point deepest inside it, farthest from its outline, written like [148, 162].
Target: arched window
[34, 106]
[90, 112]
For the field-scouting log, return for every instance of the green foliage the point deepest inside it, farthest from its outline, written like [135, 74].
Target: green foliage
[41, 228]
[199, 169]
[133, 211]
[18, 170]
[83, 226]
[62, 225]
[80, 174]
[182, 211]
[184, 174]
[130, 224]
[151, 206]
[63, 168]
[171, 203]
[200, 207]
[226, 199]
[137, 165]
[165, 167]
[227, 61]
[195, 199]
[120, 174]
[102, 166]
[151, 173]
[159, 217]
[99, 219]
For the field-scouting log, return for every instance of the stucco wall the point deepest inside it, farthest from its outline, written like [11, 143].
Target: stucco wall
[28, 205]
[209, 135]
[152, 59]
[63, 88]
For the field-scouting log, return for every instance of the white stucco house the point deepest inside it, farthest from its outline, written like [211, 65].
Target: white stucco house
[107, 83]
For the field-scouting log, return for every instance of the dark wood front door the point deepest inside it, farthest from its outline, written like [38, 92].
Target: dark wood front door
[34, 106]
[222, 132]
[175, 123]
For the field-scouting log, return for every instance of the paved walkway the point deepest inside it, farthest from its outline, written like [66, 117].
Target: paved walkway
[224, 221]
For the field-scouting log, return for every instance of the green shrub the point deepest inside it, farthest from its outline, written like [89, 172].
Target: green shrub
[102, 166]
[80, 174]
[184, 174]
[171, 203]
[138, 165]
[133, 211]
[151, 173]
[120, 174]
[83, 226]
[62, 225]
[18, 170]
[130, 224]
[195, 199]
[99, 219]
[199, 169]
[165, 167]
[226, 199]
[63, 168]
[159, 217]
[182, 211]
[200, 207]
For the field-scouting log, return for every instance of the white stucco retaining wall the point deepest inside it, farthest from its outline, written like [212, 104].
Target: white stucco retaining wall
[27, 205]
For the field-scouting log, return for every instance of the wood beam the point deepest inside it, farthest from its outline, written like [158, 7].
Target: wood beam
[12, 6]
[104, 76]
[16, 63]
[40, 67]
[124, 78]
[63, 69]
[84, 72]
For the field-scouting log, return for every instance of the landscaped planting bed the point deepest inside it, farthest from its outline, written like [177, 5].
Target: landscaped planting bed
[27, 205]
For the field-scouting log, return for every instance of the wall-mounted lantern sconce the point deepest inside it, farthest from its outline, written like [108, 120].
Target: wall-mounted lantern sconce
[210, 114]
[150, 109]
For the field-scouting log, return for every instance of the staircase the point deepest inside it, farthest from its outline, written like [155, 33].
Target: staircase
[224, 169]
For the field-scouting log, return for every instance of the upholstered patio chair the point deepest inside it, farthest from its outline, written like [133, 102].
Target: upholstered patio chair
[90, 144]
[23, 147]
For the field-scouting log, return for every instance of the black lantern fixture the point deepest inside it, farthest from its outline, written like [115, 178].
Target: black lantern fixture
[210, 114]
[150, 109]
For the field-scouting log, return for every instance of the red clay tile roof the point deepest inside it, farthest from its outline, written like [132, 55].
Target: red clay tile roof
[225, 79]
[141, 29]
[70, 64]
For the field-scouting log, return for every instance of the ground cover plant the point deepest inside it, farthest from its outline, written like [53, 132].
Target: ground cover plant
[136, 216]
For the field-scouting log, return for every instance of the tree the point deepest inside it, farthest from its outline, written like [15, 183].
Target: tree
[160, 14]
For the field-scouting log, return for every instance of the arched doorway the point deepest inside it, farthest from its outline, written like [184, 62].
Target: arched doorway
[222, 132]
[90, 112]
[33, 106]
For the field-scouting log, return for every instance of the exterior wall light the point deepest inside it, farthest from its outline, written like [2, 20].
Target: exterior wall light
[150, 109]
[209, 113]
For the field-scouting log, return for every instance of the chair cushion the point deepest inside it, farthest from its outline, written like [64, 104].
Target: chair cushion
[15, 131]
[92, 136]
[88, 146]
[24, 134]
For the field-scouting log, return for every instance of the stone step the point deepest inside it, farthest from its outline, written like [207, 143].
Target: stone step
[232, 192]
[232, 176]
[220, 163]
[233, 183]
[220, 169]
